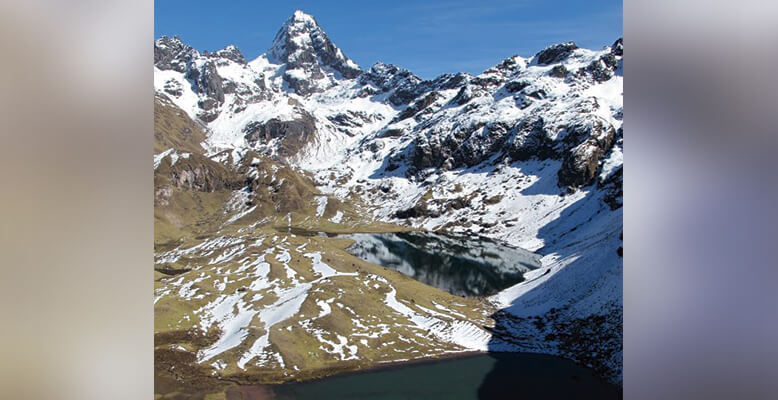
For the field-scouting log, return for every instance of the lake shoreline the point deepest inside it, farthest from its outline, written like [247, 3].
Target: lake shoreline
[388, 365]
[452, 356]
[267, 390]
[454, 376]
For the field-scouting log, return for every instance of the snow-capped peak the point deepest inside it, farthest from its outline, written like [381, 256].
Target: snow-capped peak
[170, 53]
[298, 30]
[167, 41]
[302, 45]
[301, 16]
[231, 52]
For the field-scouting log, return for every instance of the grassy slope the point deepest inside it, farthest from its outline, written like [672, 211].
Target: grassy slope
[186, 216]
[174, 129]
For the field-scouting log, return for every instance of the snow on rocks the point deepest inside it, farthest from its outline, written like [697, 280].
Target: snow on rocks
[477, 155]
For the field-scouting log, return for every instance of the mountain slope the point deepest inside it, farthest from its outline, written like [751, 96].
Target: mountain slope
[530, 152]
[243, 294]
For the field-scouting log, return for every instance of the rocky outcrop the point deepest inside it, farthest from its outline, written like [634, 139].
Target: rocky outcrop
[585, 145]
[209, 84]
[348, 120]
[509, 66]
[451, 81]
[617, 48]
[558, 71]
[201, 72]
[555, 53]
[173, 88]
[580, 146]
[481, 144]
[170, 53]
[601, 69]
[228, 53]
[467, 93]
[418, 106]
[403, 85]
[531, 140]
[613, 186]
[292, 134]
[516, 86]
[196, 172]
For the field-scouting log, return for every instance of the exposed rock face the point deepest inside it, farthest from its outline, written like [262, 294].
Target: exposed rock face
[229, 53]
[575, 136]
[516, 86]
[347, 120]
[531, 140]
[613, 186]
[201, 75]
[601, 69]
[197, 172]
[404, 86]
[467, 93]
[586, 143]
[451, 81]
[617, 48]
[581, 147]
[293, 134]
[555, 53]
[173, 88]
[308, 54]
[387, 77]
[171, 53]
[210, 84]
[558, 71]
[418, 106]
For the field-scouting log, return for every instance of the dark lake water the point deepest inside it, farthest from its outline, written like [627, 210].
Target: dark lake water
[460, 265]
[487, 376]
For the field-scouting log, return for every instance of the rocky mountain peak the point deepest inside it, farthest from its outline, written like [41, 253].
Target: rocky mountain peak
[295, 35]
[382, 74]
[555, 53]
[309, 55]
[388, 77]
[230, 52]
[166, 41]
[170, 53]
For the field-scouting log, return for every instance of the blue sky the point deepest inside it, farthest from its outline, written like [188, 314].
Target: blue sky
[428, 37]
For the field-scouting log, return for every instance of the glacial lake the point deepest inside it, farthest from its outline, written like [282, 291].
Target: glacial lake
[484, 376]
[461, 265]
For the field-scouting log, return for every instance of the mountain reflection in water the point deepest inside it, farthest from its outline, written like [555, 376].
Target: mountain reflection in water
[459, 265]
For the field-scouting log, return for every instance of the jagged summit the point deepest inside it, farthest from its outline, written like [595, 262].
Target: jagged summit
[169, 53]
[230, 52]
[308, 54]
[301, 53]
[294, 35]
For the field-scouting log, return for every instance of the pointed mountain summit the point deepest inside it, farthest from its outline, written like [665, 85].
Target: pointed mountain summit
[171, 53]
[311, 59]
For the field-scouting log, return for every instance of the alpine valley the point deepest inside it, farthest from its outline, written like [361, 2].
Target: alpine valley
[266, 171]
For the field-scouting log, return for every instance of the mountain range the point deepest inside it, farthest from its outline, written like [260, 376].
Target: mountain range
[250, 154]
